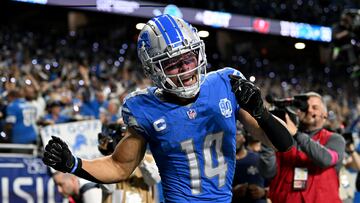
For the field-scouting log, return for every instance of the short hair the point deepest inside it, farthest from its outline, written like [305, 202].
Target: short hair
[315, 94]
[15, 93]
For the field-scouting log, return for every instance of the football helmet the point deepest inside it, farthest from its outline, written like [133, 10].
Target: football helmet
[163, 38]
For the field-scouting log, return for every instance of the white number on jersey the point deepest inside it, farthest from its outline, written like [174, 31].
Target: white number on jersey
[209, 170]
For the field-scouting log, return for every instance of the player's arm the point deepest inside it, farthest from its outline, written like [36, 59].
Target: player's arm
[110, 169]
[249, 98]
[251, 126]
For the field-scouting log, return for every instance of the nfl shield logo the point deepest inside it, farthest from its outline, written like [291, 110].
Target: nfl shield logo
[191, 113]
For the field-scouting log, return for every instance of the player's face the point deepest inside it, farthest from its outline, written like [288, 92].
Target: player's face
[315, 116]
[185, 64]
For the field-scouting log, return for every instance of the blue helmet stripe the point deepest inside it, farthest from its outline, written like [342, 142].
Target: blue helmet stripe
[178, 30]
[169, 29]
[162, 30]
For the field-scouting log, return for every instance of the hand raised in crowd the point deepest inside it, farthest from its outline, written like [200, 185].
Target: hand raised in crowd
[58, 156]
[256, 192]
[247, 95]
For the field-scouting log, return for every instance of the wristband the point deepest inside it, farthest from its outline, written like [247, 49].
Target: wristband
[75, 165]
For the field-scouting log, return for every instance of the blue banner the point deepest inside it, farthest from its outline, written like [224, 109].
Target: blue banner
[26, 180]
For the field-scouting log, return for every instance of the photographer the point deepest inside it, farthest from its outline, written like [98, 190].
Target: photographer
[308, 172]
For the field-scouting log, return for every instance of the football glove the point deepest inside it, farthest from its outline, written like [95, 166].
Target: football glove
[248, 96]
[58, 156]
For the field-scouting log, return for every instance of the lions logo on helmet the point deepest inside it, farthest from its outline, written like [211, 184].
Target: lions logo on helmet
[166, 37]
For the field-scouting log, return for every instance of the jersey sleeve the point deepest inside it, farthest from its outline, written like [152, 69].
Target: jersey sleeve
[225, 72]
[231, 71]
[132, 117]
[10, 114]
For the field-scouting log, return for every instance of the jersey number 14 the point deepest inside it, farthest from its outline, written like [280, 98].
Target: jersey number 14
[209, 171]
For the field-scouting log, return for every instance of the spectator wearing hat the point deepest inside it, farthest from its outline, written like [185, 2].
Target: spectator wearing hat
[54, 116]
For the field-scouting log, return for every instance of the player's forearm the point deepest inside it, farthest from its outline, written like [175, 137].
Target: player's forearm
[251, 125]
[101, 170]
[276, 131]
[118, 166]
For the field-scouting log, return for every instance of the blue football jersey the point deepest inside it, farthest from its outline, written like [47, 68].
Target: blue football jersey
[193, 146]
[22, 116]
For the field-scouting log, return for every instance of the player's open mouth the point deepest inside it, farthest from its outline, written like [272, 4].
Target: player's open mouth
[189, 81]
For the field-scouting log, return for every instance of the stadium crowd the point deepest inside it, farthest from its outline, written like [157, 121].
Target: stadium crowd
[324, 12]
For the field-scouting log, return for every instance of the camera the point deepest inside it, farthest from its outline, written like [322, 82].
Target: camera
[110, 136]
[348, 138]
[286, 105]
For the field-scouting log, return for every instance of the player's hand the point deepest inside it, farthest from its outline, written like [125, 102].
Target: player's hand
[58, 156]
[247, 95]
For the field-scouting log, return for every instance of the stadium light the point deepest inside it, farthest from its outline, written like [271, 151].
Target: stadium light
[203, 33]
[299, 45]
[252, 78]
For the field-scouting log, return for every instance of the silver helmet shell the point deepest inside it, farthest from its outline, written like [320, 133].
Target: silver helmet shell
[165, 37]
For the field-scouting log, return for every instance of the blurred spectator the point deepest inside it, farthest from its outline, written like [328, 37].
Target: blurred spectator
[33, 96]
[349, 171]
[248, 184]
[54, 116]
[111, 114]
[82, 105]
[346, 40]
[99, 102]
[20, 119]
[78, 190]
[310, 11]
[253, 144]
[140, 186]
[308, 171]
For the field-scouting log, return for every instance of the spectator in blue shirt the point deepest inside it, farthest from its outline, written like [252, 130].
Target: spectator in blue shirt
[248, 184]
[54, 116]
[20, 119]
[99, 102]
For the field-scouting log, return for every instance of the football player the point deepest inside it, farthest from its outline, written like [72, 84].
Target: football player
[188, 119]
